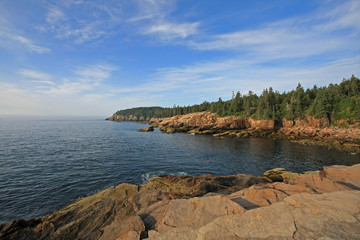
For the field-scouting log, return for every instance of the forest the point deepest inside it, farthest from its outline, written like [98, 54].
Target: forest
[334, 102]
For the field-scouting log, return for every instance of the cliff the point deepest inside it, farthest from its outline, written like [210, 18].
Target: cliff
[127, 118]
[310, 131]
[322, 204]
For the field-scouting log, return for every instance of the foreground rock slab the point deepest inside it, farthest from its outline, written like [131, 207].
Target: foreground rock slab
[193, 213]
[302, 216]
[311, 205]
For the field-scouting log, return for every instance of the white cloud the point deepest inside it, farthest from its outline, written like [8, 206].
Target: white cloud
[172, 30]
[29, 45]
[71, 2]
[95, 72]
[301, 36]
[83, 92]
[155, 20]
[11, 37]
[152, 10]
[92, 21]
[36, 75]
[86, 33]
[15, 100]
[210, 80]
[82, 80]
[85, 79]
[54, 15]
[18, 100]
[343, 16]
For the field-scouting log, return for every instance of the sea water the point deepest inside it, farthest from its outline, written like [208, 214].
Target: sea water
[46, 164]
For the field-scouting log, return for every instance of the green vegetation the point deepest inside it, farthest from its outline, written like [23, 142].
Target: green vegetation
[333, 102]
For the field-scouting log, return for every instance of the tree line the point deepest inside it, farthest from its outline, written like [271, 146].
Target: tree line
[336, 101]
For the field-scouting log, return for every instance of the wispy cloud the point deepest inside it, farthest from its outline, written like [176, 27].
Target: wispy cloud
[54, 15]
[210, 80]
[345, 15]
[36, 75]
[294, 37]
[93, 20]
[85, 79]
[82, 92]
[152, 10]
[172, 30]
[155, 20]
[12, 38]
[82, 80]
[31, 47]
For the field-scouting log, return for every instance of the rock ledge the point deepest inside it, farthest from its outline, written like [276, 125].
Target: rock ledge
[312, 205]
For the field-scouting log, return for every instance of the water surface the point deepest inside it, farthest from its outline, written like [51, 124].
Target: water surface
[46, 164]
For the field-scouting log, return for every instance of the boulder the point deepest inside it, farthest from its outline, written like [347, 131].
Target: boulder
[200, 185]
[279, 174]
[265, 194]
[146, 129]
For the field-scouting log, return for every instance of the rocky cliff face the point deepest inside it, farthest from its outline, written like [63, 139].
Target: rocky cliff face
[210, 121]
[313, 205]
[127, 118]
[309, 131]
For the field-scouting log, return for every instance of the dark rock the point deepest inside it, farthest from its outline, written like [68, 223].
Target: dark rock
[146, 129]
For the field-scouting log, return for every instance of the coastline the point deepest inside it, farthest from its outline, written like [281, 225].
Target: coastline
[309, 131]
[281, 204]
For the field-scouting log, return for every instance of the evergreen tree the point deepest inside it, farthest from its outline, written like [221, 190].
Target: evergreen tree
[333, 102]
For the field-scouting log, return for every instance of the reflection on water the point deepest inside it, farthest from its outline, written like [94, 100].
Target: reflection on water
[47, 164]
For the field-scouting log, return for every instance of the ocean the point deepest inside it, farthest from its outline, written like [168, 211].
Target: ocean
[47, 164]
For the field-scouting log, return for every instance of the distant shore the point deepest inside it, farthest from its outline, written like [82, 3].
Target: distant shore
[309, 131]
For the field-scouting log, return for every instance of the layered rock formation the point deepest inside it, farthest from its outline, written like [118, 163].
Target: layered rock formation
[310, 131]
[130, 118]
[312, 205]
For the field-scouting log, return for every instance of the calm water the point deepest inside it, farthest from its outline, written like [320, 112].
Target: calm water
[46, 164]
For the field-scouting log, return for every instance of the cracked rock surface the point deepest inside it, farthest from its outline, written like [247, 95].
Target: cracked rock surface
[320, 205]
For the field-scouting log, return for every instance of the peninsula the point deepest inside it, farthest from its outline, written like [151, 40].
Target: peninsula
[327, 116]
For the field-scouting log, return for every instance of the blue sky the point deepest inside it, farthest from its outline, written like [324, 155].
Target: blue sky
[92, 58]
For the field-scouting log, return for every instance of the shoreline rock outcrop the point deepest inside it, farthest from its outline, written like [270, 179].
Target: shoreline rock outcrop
[146, 129]
[322, 204]
[310, 131]
[127, 118]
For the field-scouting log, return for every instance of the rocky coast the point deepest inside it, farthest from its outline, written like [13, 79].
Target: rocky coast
[342, 136]
[279, 204]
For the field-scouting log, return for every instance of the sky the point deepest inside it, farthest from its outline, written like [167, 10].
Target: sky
[92, 58]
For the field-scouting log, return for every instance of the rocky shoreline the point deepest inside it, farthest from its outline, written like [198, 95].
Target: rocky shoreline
[310, 131]
[278, 205]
